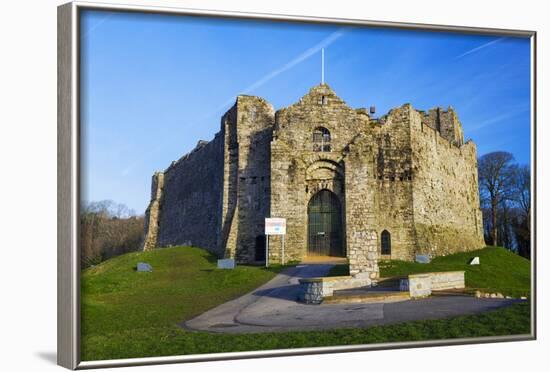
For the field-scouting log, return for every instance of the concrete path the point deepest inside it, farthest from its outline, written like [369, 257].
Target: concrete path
[273, 308]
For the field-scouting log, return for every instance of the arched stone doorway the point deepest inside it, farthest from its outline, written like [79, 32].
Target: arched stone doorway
[325, 225]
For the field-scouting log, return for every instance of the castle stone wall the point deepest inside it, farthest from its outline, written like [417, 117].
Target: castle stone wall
[447, 214]
[393, 185]
[408, 173]
[230, 182]
[192, 197]
[247, 176]
[153, 211]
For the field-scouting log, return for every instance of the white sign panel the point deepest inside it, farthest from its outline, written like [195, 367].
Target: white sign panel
[275, 226]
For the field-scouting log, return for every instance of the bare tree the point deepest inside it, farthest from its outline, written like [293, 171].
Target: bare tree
[495, 179]
[522, 188]
[107, 229]
[521, 224]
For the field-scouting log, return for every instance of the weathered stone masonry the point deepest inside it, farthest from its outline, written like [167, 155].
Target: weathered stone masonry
[408, 174]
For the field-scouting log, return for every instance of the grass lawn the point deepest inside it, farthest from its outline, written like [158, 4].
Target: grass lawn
[500, 270]
[126, 314]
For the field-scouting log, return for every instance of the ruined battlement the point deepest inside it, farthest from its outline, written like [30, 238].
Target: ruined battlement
[446, 123]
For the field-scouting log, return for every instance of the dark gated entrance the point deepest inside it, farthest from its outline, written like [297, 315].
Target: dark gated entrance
[324, 225]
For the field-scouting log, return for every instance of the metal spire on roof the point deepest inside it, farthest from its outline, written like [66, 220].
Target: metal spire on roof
[322, 65]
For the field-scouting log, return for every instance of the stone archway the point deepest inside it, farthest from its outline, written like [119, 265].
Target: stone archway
[325, 229]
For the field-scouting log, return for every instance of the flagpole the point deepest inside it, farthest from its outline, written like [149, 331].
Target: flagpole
[322, 65]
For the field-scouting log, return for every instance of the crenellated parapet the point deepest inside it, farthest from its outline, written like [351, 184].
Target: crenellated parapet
[446, 123]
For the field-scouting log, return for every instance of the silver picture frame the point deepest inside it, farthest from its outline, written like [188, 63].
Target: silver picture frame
[68, 184]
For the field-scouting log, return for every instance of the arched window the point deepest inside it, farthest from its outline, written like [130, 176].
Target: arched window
[321, 139]
[385, 239]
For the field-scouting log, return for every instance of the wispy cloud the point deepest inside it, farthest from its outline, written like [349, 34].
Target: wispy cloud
[94, 26]
[476, 49]
[249, 89]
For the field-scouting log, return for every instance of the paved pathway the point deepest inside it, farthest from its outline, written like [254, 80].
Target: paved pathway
[273, 307]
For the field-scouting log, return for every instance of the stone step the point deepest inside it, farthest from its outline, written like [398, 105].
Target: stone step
[365, 296]
[367, 290]
[324, 260]
[388, 287]
[387, 283]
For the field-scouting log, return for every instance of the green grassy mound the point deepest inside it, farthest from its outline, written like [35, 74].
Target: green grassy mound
[129, 314]
[500, 270]
[184, 283]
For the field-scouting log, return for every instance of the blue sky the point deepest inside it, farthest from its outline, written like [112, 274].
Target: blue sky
[153, 85]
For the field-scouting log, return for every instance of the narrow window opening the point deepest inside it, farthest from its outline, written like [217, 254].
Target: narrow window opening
[386, 243]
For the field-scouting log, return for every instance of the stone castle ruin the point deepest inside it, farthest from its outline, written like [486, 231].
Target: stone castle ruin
[348, 184]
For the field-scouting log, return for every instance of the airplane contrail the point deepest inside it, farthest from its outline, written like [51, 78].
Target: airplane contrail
[479, 47]
[287, 66]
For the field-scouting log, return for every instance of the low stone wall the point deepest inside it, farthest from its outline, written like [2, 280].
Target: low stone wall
[314, 290]
[422, 285]
[448, 280]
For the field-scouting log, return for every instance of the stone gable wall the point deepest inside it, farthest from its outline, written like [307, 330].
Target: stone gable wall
[298, 172]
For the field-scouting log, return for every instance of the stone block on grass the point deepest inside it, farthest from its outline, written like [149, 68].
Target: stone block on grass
[144, 267]
[227, 263]
[422, 258]
[474, 261]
